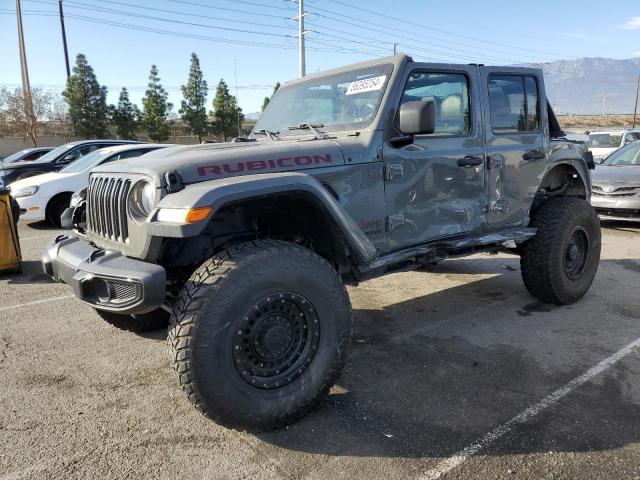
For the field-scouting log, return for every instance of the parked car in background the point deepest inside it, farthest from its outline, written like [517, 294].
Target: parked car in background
[45, 197]
[616, 185]
[603, 144]
[54, 160]
[27, 155]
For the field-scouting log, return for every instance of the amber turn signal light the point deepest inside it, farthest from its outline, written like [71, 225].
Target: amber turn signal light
[197, 214]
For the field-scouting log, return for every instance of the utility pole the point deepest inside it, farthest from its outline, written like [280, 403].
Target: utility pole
[635, 104]
[64, 38]
[395, 47]
[302, 69]
[604, 97]
[26, 88]
[235, 73]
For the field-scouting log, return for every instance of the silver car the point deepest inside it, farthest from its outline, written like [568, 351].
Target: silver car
[616, 185]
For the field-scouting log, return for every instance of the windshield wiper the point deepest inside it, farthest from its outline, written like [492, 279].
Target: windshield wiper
[313, 128]
[266, 133]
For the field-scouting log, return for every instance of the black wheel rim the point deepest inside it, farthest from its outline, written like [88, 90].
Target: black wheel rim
[576, 253]
[276, 340]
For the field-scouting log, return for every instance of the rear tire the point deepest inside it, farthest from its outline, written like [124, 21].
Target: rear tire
[56, 207]
[139, 323]
[559, 264]
[259, 334]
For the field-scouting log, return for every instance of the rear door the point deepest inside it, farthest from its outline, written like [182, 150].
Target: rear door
[434, 186]
[516, 141]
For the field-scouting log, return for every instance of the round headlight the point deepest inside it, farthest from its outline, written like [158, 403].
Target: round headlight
[142, 200]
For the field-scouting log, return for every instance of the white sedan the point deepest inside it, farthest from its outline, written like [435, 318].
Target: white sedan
[45, 197]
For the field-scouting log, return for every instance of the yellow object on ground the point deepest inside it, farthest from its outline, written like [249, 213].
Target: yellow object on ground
[10, 256]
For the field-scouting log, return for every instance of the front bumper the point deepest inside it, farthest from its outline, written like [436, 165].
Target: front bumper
[105, 279]
[31, 208]
[612, 207]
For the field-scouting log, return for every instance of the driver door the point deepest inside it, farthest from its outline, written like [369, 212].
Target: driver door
[434, 186]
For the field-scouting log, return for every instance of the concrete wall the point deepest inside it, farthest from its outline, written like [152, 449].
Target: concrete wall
[9, 145]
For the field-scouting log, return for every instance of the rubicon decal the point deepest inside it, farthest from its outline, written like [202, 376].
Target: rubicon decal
[258, 165]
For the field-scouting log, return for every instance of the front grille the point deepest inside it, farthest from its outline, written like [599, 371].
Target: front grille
[600, 194]
[617, 191]
[107, 207]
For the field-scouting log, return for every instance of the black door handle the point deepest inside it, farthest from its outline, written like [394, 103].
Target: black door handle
[533, 155]
[470, 161]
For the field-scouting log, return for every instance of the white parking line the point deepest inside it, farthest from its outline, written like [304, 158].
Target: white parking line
[38, 237]
[456, 460]
[35, 302]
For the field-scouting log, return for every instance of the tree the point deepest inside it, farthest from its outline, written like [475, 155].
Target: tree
[87, 101]
[155, 109]
[194, 110]
[268, 99]
[226, 114]
[13, 118]
[59, 116]
[125, 116]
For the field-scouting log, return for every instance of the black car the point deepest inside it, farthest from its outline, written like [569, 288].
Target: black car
[54, 160]
[27, 155]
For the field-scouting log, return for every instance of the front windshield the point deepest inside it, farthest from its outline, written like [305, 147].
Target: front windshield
[342, 101]
[604, 140]
[53, 154]
[629, 155]
[15, 157]
[87, 161]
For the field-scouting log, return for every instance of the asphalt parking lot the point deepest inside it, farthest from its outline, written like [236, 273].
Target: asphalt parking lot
[455, 372]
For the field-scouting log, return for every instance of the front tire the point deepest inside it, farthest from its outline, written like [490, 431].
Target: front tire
[259, 334]
[559, 264]
[56, 208]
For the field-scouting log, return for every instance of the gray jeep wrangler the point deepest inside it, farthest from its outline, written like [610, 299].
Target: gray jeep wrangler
[244, 247]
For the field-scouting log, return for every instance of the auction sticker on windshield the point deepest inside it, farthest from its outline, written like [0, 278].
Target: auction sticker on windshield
[366, 85]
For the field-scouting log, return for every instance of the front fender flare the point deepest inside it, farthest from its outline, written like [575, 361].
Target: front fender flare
[220, 192]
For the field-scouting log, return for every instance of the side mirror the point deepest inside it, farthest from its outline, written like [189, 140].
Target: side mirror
[70, 157]
[417, 117]
[588, 159]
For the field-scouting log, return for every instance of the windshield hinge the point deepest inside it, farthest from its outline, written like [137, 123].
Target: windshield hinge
[394, 221]
[392, 171]
[173, 180]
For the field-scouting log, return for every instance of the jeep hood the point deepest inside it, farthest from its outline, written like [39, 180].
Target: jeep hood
[197, 163]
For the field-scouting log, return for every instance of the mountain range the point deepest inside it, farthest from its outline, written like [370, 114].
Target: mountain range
[590, 86]
[585, 86]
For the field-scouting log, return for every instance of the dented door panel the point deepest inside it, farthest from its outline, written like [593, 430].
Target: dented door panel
[516, 160]
[435, 186]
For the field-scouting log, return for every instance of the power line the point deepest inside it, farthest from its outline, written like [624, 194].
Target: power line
[97, 8]
[402, 35]
[409, 22]
[194, 36]
[181, 22]
[85, 6]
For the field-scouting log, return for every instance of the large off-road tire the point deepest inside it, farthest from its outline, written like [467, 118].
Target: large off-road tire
[558, 264]
[56, 207]
[144, 322]
[259, 334]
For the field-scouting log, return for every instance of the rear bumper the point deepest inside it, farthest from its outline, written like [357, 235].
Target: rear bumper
[104, 279]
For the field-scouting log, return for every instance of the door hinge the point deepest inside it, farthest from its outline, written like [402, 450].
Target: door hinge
[392, 171]
[394, 221]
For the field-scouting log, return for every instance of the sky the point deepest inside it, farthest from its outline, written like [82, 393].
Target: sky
[255, 40]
